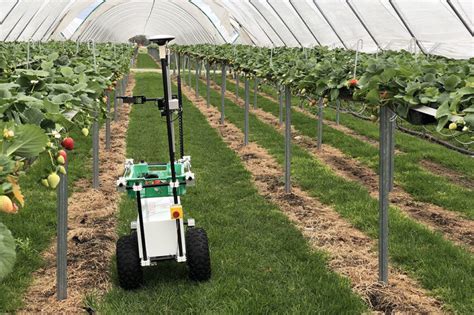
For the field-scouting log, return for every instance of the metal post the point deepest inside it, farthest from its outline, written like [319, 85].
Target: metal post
[392, 126]
[237, 85]
[124, 88]
[247, 105]
[384, 163]
[174, 68]
[215, 69]
[320, 123]
[255, 93]
[95, 151]
[107, 123]
[115, 102]
[288, 141]
[61, 256]
[208, 84]
[280, 103]
[223, 88]
[189, 72]
[196, 72]
[338, 109]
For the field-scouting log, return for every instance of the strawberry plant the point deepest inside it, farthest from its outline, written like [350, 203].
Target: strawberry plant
[399, 80]
[59, 88]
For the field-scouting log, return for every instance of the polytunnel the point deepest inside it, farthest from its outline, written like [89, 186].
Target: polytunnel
[440, 27]
[237, 156]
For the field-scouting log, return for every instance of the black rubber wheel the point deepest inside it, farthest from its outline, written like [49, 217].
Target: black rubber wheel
[129, 270]
[197, 252]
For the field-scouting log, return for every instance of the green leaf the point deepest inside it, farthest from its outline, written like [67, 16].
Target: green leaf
[61, 98]
[29, 100]
[29, 141]
[67, 72]
[469, 119]
[7, 251]
[442, 122]
[388, 75]
[34, 116]
[443, 110]
[51, 107]
[373, 97]
[470, 109]
[4, 93]
[450, 83]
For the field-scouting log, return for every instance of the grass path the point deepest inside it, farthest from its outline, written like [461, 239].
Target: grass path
[145, 61]
[441, 267]
[261, 262]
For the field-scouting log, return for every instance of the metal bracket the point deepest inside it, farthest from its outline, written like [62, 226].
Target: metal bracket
[137, 187]
[174, 184]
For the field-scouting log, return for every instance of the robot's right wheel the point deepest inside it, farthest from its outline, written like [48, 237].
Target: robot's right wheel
[197, 252]
[129, 270]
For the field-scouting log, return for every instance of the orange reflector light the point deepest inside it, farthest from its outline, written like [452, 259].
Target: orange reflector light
[176, 212]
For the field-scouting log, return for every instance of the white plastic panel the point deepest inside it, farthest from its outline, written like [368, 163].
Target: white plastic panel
[18, 19]
[315, 21]
[44, 19]
[293, 22]
[346, 24]
[442, 27]
[112, 22]
[250, 22]
[7, 6]
[275, 22]
[440, 31]
[383, 23]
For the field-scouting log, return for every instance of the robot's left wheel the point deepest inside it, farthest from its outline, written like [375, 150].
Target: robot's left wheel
[129, 270]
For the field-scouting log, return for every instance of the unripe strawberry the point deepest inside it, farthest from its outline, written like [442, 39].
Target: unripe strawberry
[53, 180]
[68, 143]
[453, 126]
[6, 204]
[61, 159]
[45, 183]
[62, 170]
[63, 154]
[465, 128]
[8, 133]
[85, 132]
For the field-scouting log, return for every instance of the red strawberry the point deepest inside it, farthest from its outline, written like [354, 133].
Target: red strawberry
[68, 143]
[352, 82]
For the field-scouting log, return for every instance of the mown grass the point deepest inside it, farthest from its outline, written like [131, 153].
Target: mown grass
[144, 61]
[260, 261]
[421, 184]
[440, 266]
[35, 225]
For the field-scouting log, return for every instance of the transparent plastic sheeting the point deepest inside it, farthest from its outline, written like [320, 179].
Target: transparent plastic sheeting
[441, 27]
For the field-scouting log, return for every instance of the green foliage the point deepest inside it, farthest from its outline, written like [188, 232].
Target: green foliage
[406, 80]
[7, 251]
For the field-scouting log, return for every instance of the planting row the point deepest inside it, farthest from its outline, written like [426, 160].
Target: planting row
[47, 91]
[396, 79]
